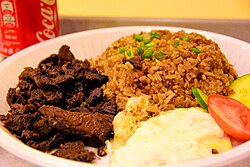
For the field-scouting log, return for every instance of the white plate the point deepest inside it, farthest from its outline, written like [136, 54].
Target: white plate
[90, 44]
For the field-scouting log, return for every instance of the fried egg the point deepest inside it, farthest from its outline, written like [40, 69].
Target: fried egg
[172, 137]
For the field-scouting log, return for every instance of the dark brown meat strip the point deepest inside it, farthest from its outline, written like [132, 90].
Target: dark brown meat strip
[135, 61]
[95, 96]
[65, 55]
[46, 144]
[92, 128]
[75, 151]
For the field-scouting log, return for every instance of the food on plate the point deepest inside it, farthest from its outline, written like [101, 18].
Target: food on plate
[231, 115]
[174, 136]
[60, 105]
[139, 91]
[126, 122]
[75, 151]
[78, 124]
[165, 66]
[241, 89]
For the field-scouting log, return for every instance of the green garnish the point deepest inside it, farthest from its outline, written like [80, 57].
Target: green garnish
[176, 43]
[145, 47]
[155, 35]
[121, 50]
[129, 54]
[140, 50]
[147, 54]
[151, 44]
[185, 38]
[147, 40]
[160, 55]
[196, 50]
[162, 52]
[138, 37]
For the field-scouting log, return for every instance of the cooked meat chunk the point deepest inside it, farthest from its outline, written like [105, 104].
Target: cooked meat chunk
[58, 102]
[17, 108]
[95, 96]
[96, 79]
[42, 127]
[93, 128]
[46, 144]
[28, 134]
[51, 59]
[14, 97]
[65, 55]
[106, 106]
[76, 100]
[19, 122]
[75, 151]
[20, 117]
[135, 61]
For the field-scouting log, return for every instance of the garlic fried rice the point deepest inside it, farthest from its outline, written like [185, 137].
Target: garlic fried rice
[164, 66]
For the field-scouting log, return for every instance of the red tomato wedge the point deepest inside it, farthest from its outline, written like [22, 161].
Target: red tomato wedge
[231, 115]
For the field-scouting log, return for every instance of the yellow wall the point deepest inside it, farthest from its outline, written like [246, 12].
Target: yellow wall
[203, 9]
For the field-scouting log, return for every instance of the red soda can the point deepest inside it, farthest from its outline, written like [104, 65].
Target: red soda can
[26, 22]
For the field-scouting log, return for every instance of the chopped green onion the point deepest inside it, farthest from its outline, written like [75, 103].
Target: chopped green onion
[138, 37]
[121, 50]
[176, 43]
[151, 44]
[162, 52]
[147, 54]
[129, 54]
[140, 50]
[196, 50]
[145, 47]
[160, 55]
[155, 35]
[185, 38]
[142, 47]
[147, 40]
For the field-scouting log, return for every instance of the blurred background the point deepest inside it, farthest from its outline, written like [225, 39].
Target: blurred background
[228, 17]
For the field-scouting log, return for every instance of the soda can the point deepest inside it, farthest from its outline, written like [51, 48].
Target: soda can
[26, 22]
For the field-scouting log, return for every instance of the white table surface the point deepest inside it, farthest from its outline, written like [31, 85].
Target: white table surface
[9, 160]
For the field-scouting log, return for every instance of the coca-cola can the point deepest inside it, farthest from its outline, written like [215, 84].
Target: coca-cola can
[26, 22]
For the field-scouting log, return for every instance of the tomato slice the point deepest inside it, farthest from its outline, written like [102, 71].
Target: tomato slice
[231, 115]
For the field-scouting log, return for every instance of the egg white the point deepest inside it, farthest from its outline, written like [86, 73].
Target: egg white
[176, 136]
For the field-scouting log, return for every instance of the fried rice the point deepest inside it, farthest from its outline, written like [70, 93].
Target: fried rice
[177, 62]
